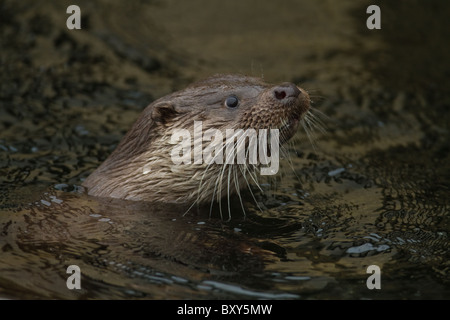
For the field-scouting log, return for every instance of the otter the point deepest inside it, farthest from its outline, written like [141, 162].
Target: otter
[141, 167]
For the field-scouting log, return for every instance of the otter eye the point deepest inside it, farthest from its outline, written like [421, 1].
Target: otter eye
[232, 102]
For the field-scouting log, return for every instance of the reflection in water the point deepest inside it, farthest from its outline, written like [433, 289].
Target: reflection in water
[375, 192]
[128, 245]
[123, 244]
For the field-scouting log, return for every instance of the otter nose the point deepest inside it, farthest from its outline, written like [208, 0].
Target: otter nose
[286, 90]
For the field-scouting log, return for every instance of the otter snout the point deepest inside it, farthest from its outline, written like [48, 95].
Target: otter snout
[286, 90]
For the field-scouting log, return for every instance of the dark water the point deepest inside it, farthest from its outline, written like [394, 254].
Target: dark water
[374, 190]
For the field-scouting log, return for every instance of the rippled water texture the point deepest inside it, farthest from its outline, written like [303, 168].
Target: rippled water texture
[373, 191]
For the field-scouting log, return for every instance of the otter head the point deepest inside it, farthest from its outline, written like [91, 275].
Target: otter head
[143, 168]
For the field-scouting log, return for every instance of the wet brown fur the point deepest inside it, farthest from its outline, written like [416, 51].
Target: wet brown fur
[146, 147]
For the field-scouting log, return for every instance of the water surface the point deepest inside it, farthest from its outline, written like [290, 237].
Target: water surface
[373, 190]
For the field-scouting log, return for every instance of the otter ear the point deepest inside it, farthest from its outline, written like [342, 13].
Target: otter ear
[163, 112]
